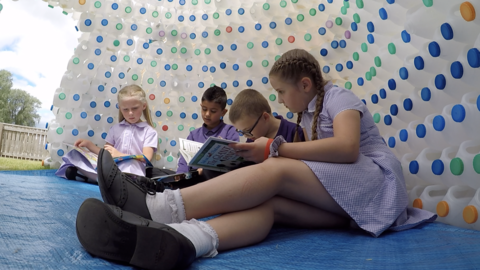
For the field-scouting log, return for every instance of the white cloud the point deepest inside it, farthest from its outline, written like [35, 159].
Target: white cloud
[36, 43]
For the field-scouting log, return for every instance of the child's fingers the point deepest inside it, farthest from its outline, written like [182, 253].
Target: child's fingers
[242, 146]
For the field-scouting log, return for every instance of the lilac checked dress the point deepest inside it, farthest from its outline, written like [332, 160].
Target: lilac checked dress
[372, 190]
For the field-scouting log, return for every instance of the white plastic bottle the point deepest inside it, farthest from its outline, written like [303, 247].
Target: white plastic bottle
[467, 163]
[430, 197]
[415, 193]
[450, 208]
[470, 212]
[427, 159]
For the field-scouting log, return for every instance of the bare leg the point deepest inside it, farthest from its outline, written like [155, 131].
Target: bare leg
[243, 228]
[252, 186]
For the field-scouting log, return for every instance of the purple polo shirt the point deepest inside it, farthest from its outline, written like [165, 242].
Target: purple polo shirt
[287, 130]
[130, 139]
[201, 135]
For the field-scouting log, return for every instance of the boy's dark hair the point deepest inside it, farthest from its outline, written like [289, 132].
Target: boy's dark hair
[216, 94]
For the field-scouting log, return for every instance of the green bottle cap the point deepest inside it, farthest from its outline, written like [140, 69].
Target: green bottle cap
[168, 15]
[181, 99]
[153, 63]
[76, 60]
[283, 3]
[68, 115]
[207, 2]
[207, 51]
[266, 6]
[128, 9]
[343, 10]
[360, 4]
[364, 47]
[456, 166]
[265, 63]
[170, 159]
[217, 32]
[338, 21]
[391, 48]
[174, 33]
[169, 113]
[312, 12]
[307, 37]
[183, 50]
[197, 51]
[373, 71]
[356, 56]
[192, 129]
[98, 4]
[174, 66]
[216, 15]
[149, 30]
[62, 96]
[300, 17]
[116, 43]
[155, 14]
[476, 163]
[150, 80]
[249, 64]
[126, 58]
[428, 3]
[278, 41]
[348, 85]
[356, 18]
[376, 118]
[194, 2]
[272, 97]
[134, 77]
[173, 50]
[378, 61]
[119, 26]
[250, 45]
[59, 130]
[277, 57]
[180, 127]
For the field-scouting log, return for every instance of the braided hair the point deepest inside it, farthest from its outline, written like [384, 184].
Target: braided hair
[292, 66]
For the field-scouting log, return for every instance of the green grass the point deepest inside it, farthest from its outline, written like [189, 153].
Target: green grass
[11, 164]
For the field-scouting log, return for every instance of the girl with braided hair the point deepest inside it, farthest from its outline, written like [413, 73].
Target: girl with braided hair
[343, 176]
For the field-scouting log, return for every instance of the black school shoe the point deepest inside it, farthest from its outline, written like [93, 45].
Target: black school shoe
[110, 233]
[117, 188]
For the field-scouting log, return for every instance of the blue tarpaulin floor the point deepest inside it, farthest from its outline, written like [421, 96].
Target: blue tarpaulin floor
[37, 231]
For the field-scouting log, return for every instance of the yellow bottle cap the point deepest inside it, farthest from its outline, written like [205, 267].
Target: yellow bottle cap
[470, 214]
[417, 203]
[442, 208]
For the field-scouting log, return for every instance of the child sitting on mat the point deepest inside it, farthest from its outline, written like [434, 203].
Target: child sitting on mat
[345, 175]
[131, 136]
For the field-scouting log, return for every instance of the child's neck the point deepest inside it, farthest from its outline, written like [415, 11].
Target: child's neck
[213, 125]
[274, 125]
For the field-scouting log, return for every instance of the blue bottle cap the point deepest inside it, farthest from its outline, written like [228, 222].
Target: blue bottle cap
[189, 67]
[110, 119]
[321, 7]
[370, 38]
[249, 83]
[289, 115]
[130, 42]
[213, 69]
[392, 84]
[413, 167]
[223, 85]
[93, 104]
[101, 88]
[99, 39]
[418, 62]
[391, 142]
[228, 12]
[193, 35]
[223, 65]
[106, 104]
[90, 133]
[114, 6]
[273, 25]
[194, 116]
[104, 22]
[158, 113]
[334, 44]
[192, 18]
[201, 85]
[83, 115]
[323, 52]
[139, 61]
[108, 74]
[204, 34]
[458, 113]
[194, 98]
[394, 109]
[159, 51]
[473, 57]
[374, 99]
[391, 1]
[229, 101]
[60, 152]
[349, 64]
[360, 81]
[354, 26]
[421, 131]
[258, 26]
[181, 18]
[88, 22]
[407, 104]
[133, 27]
[326, 69]
[434, 49]
[383, 13]
[241, 11]
[220, 47]
[167, 67]
[204, 17]
[97, 117]
[235, 83]
[265, 44]
[339, 67]
[235, 67]
[288, 21]
[183, 115]
[343, 44]
[478, 102]
[75, 132]
[370, 27]
[90, 66]
[76, 97]
[241, 29]
[173, 143]
[437, 167]
[382, 93]
[457, 70]
[233, 47]
[113, 90]
[322, 31]
[426, 94]
[438, 123]
[447, 31]
[104, 135]
[364, 101]
[403, 135]
[403, 72]
[163, 83]
[440, 81]
[388, 119]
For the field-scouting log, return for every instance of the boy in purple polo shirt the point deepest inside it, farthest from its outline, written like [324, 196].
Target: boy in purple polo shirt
[214, 101]
[251, 114]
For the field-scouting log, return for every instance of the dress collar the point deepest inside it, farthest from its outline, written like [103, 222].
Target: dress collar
[311, 104]
[215, 129]
[140, 124]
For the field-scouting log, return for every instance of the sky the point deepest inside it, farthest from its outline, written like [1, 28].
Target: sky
[36, 42]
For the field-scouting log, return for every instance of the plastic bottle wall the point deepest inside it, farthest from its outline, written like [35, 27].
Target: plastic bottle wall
[414, 63]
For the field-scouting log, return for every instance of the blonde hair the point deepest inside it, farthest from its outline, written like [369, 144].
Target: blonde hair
[134, 91]
[291, 67]
[248, 102]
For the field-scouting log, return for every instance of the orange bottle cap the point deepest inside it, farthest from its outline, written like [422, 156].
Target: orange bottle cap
[468, 11]
[470, 214]
[442, 209]
[417, 203]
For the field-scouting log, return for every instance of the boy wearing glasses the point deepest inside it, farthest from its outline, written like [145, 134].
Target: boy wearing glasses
[252, 116]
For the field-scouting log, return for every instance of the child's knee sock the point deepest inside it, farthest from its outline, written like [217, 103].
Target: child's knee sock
[166, 207]
[201, 234]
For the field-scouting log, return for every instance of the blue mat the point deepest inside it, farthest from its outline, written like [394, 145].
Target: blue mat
[37, 231]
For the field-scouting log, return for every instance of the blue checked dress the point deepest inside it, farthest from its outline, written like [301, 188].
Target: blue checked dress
[372, 190]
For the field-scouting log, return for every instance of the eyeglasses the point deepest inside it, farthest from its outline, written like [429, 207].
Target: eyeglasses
[248, 133]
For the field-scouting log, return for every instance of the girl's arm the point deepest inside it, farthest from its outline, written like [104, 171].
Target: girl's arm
[148, 152]
[88, 144]
[343, 147]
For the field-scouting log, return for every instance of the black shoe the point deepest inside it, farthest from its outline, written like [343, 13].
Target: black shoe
[118, 189]
[71, 173]
[109, 232]
[148, 184]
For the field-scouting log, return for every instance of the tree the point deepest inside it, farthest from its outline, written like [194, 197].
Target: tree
[17, 106]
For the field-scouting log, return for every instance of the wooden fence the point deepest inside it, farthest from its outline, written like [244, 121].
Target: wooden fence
[23, 142]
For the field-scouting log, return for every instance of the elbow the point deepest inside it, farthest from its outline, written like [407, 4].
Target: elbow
[352, 152]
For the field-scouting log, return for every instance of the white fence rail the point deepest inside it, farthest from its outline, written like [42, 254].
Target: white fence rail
[23, 142]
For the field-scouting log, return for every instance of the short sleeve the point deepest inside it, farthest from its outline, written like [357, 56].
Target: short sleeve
[232, 134]
[110, 135]
[151, 138]
[338, 100]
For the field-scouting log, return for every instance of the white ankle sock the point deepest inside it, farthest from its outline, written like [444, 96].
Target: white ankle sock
[166, 207]
[201, 234]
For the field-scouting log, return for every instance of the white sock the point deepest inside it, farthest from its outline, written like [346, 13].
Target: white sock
[201, 234]
[166, 207]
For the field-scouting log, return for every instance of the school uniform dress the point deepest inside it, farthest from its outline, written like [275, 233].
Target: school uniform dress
[372, 190]
[129, 139]
[202, 134]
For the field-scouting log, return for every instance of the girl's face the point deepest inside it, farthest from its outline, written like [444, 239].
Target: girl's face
[132, 109]
[295, 97]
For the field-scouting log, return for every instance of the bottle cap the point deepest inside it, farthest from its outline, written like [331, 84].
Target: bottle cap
[442, 209]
